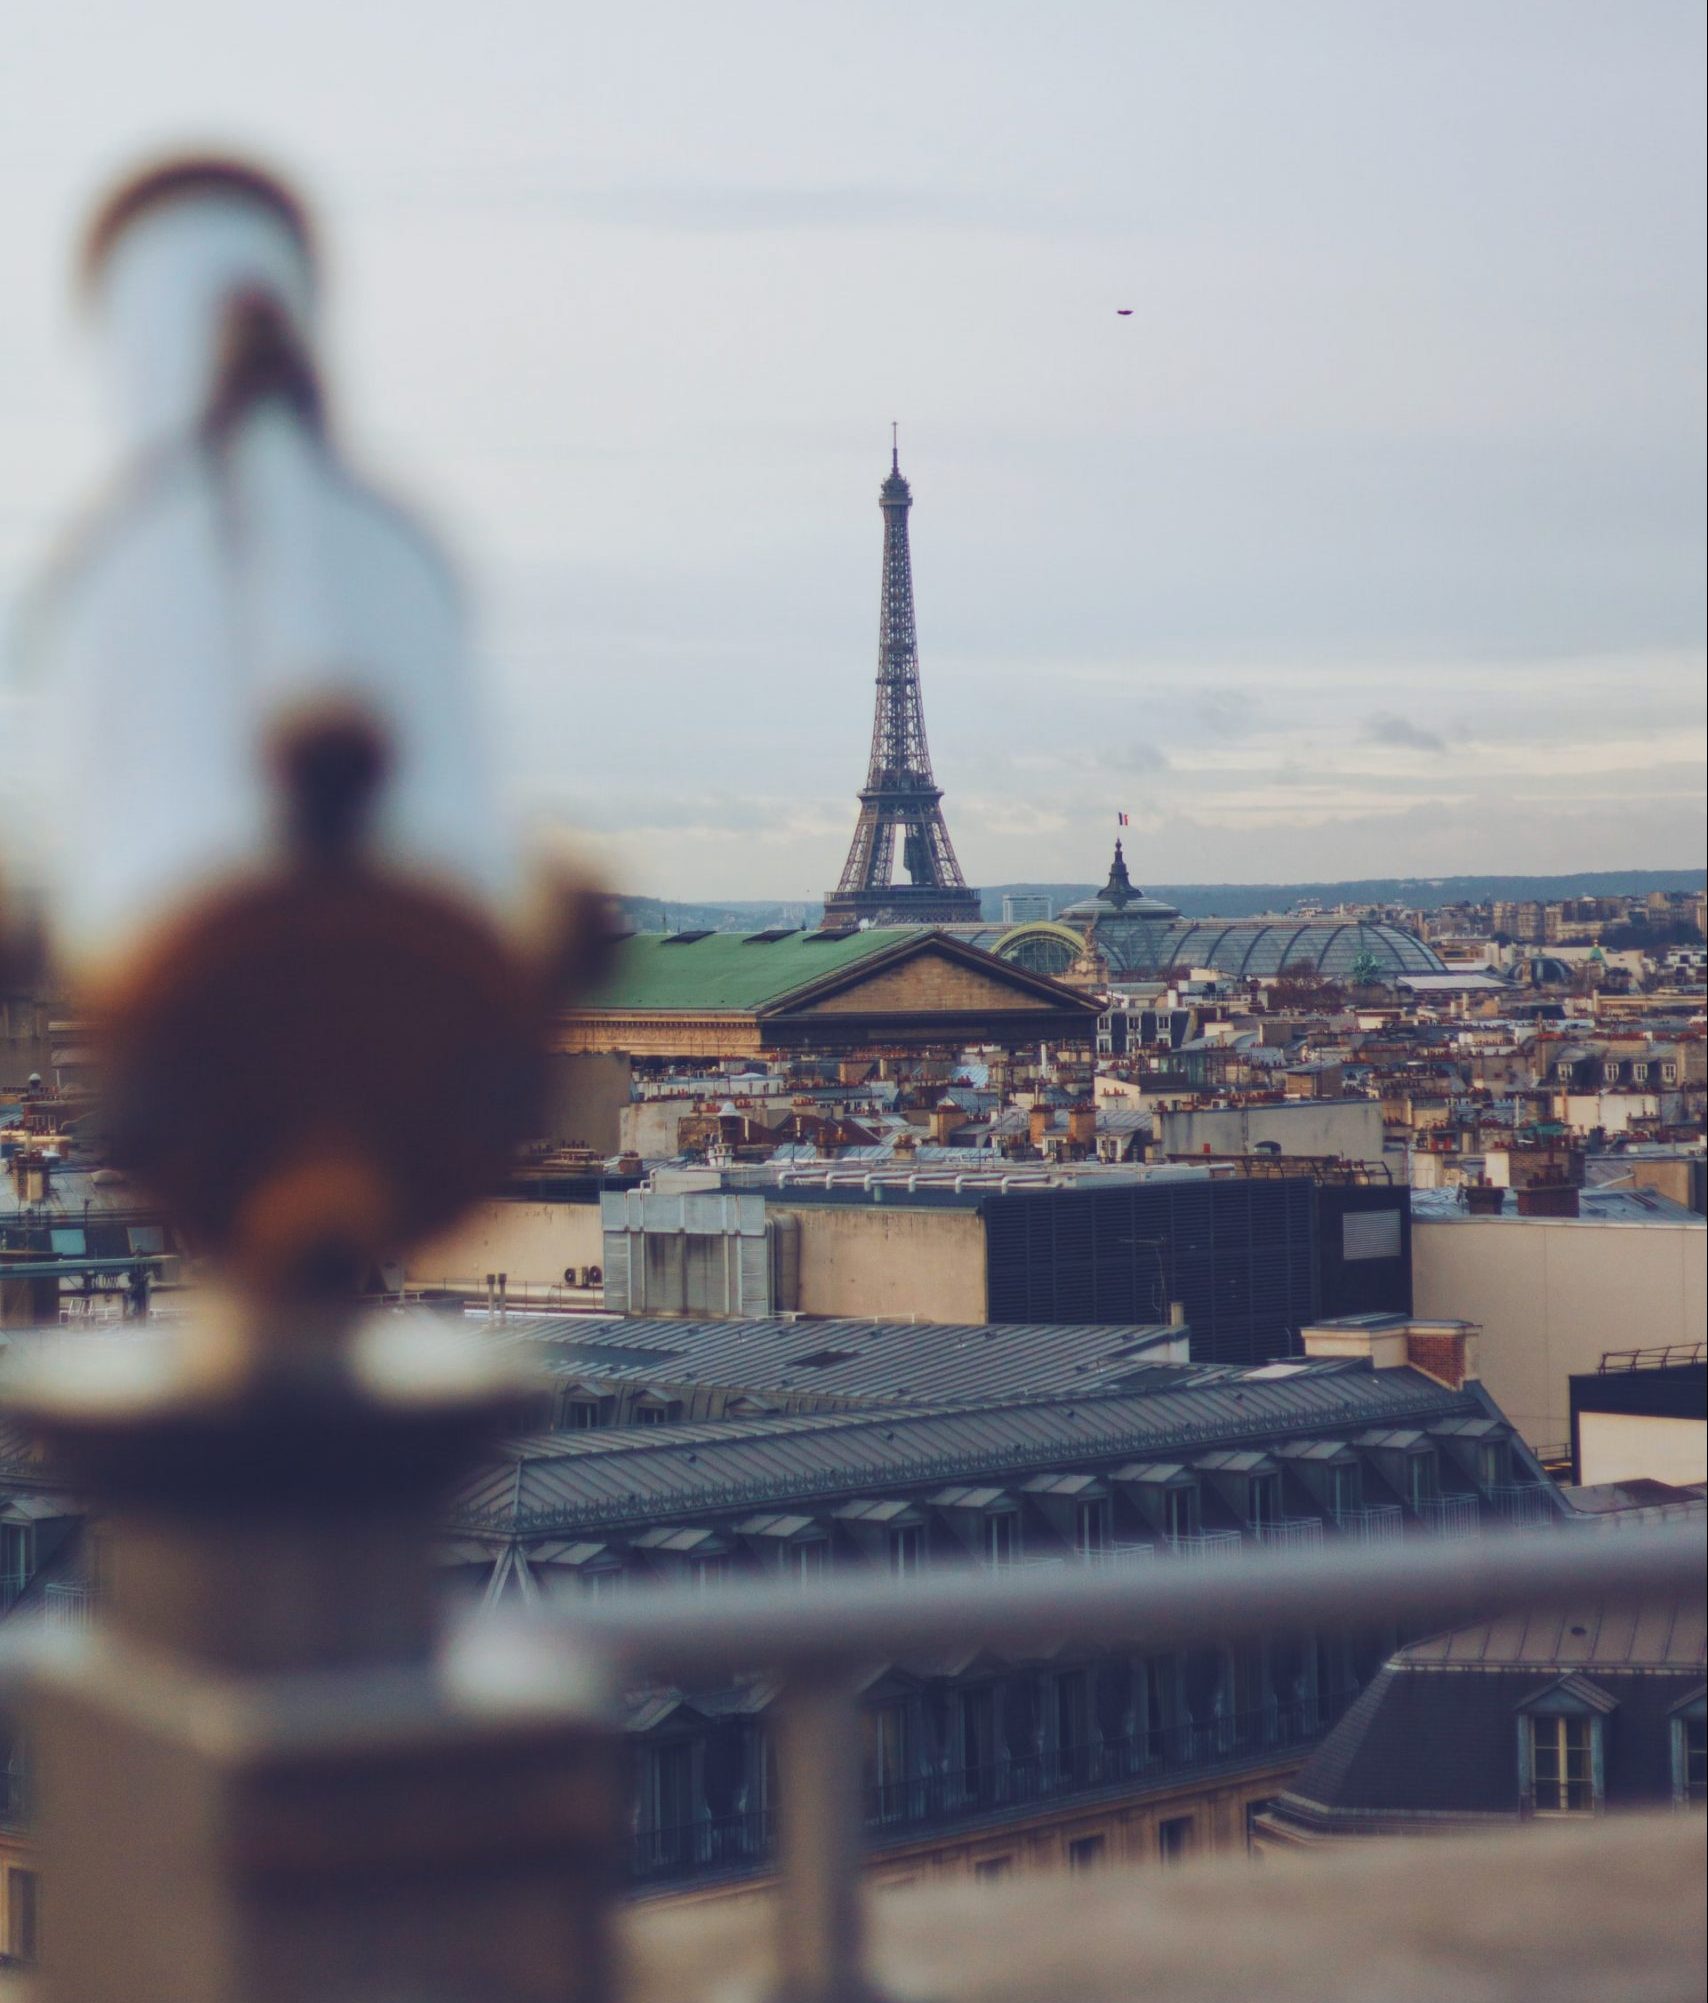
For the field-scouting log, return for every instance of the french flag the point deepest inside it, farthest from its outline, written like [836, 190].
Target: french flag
[1121, 819]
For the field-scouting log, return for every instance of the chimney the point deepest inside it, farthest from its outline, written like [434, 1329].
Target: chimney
[1038, 1125]
[1177, 1314]
[1444, 1350]
[945, 1118]
[1082, 1126]
[1483, 1199]
[1548, 1200]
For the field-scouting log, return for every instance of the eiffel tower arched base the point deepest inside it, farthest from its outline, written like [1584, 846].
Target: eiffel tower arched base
[901, 904]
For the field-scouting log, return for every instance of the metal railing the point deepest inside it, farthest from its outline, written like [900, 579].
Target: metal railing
[1380, 1523]
[1451, 1515]
[1207, 1544]
[822, 1642]
[65, 1605]
[1525, 1504]
[1292, 1533]
[1660, 1356]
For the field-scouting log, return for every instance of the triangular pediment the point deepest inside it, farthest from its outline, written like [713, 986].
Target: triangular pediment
[932, 978]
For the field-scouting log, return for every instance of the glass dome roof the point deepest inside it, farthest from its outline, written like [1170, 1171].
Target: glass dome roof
[1141, 937]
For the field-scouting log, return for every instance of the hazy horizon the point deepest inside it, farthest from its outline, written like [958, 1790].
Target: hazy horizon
[1370, 544]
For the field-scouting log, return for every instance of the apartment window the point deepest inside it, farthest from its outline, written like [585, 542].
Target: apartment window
[604, 1583]
[906, 1548]
[1345, 1490]
[1420, 1479]
[709, 1573]
[581, 1415]
[1562, 1764]
[651, 1415]
[1669, 1074]
[1087, 1853]
[17, 1557]
[671, 1789]
[1001, 1538]
[1091, 1527]
[1265, 1500]
[1180, 1513]
[987, 1869]
[888, 1739]
[808, 1561]
[1491, 1464]
[1175, 1839]
[23, 1940]
[1690, 1759]
[1073, 1723]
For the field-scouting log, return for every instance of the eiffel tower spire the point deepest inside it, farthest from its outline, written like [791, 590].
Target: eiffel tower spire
[900, 791]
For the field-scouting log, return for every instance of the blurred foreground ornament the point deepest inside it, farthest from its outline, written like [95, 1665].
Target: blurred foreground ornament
[276, 874]
[281, 889]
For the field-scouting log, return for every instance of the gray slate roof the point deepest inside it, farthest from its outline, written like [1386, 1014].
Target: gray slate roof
[561, 1486]
[841, 1359]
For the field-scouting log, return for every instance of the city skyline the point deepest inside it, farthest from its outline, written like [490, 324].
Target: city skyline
[1368, 544]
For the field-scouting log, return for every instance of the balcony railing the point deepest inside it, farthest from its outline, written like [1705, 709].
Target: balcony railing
[1525, 1505]
[67, 1605]
[1208, 1544]
[1381, 1523]
[1451, 1515]
[952, 1794]
[1292, 1533]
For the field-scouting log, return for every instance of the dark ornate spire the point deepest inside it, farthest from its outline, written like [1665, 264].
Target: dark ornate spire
[1119, 889]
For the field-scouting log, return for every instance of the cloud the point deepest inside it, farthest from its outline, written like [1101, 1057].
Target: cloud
[1399, 731]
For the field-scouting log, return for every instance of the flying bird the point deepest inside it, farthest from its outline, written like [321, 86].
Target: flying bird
[1125, 312]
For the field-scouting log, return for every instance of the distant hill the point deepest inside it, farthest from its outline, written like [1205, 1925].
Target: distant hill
[1198, 900]
[1416, 893]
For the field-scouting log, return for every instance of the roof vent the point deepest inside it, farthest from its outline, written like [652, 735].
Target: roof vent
[685, 938]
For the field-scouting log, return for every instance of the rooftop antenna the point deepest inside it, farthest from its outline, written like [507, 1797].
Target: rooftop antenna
[895, 447]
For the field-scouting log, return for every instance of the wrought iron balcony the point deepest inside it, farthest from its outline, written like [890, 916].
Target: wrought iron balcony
[1292, 1533]
[1381, 1523]
[1451, 1515]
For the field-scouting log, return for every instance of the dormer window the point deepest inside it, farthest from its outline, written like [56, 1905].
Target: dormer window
[1562, 1765]
[1180, 1513]
[1690, 1753]
[1345, 1491]
[1560, 1747]
[906, 1549]
[17, 1559]
[1001, 1537]
[1091, 1527]
[1420, 1480]
[580, 1415]
[1265, 1500]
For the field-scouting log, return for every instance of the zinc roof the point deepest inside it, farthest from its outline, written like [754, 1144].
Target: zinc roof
[843, 1359]
[866, 1453]
[1653, 1635]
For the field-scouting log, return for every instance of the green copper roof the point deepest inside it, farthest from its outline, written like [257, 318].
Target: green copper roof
[728, 970]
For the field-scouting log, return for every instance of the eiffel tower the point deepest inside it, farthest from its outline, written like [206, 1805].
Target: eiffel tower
[899, 791]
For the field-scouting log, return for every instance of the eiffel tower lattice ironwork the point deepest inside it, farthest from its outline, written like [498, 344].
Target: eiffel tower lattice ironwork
[900, 791]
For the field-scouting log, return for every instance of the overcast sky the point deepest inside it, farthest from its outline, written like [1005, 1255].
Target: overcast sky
[1371, 542]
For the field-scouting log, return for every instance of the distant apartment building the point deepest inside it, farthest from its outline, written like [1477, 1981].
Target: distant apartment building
[1553, 1293]
[1026, 907]
[1247, 1261]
